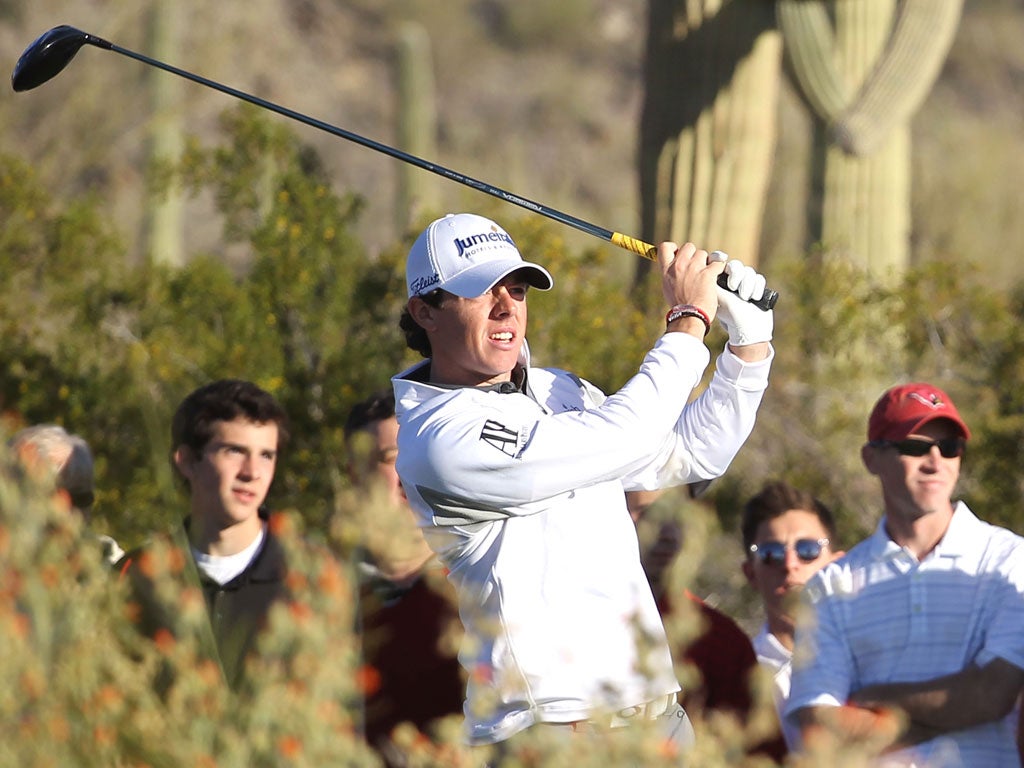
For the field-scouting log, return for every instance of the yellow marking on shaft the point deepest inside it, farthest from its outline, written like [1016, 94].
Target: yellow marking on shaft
[639, 247]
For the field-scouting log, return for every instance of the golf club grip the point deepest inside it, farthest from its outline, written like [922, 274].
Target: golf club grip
[648, 251]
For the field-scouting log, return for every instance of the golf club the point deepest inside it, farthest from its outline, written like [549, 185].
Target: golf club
[53, 50]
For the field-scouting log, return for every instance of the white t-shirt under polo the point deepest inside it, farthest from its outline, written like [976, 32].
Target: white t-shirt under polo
[882, 617]
[223, 569]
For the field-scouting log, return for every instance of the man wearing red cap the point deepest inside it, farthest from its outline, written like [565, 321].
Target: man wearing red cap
[916, 647]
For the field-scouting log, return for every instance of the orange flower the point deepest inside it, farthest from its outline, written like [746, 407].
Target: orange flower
[58, 728]
[368, 679]
[421, 742]
[107, 697]
[164, 641]
[668, 749]
[300, 612]
[32, 683]
[482, 673]
[209, 672]
[103, 735]
[296, 581]
[191, 599]
[289, 746]
[328, 711]
[330, 581]
[133, 612]
[49, 576]
[147, 565]
[13, 583]
[280, 524]
[21, 625]
[176, 560]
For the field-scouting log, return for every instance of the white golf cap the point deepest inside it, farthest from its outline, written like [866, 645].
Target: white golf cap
[467, 255]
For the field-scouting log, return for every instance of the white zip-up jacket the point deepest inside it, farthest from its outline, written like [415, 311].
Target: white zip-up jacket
[521, 494]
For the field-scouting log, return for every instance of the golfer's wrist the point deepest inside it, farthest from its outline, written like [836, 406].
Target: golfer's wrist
[690, 325]
[688, 318]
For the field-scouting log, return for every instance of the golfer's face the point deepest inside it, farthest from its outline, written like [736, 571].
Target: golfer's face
[477, 341]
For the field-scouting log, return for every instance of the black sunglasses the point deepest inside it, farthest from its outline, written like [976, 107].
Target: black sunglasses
[774, 552]
[949, 447]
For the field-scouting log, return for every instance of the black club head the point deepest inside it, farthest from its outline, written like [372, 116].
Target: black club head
[47, 56]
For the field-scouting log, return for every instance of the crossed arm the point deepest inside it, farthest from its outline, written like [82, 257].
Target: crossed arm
[898, 715]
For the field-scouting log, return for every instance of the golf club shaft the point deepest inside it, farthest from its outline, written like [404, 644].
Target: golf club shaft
[639, 247]
[628, 243]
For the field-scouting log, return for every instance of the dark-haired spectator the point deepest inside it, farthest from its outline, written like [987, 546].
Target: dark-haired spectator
[225, 438]
[787, 536]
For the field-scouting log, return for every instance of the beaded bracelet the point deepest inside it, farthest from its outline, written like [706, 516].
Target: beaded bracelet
[688, 310]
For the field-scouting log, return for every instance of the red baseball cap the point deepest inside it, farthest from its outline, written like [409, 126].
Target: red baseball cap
[903, 410]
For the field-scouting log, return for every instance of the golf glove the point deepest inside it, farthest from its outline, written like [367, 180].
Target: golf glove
[744, 322]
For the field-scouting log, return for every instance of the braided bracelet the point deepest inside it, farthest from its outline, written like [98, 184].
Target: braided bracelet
[688, 310]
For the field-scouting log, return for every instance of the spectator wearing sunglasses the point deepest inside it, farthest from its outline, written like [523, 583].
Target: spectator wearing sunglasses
[787, 536]
[915, 647]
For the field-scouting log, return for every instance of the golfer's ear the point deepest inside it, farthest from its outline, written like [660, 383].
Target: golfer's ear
[423, 313]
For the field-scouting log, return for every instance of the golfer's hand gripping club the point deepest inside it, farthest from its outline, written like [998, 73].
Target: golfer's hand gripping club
[764, 299]
[745, 323]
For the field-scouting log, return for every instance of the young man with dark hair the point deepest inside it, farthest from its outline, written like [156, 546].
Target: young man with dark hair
[226, 438]
[915, 645]
[788, 535]
[517, 475]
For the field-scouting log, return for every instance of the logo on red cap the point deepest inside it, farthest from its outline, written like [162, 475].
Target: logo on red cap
[902, 410]
[932, 401]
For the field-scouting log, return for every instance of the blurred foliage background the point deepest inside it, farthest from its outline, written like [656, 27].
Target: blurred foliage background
[286, 263]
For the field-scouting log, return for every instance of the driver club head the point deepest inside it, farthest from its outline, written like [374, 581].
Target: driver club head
[48, 55]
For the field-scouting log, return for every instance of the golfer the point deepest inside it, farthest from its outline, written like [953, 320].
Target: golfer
[518, 475]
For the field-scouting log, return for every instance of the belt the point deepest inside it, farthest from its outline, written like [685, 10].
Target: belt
[650, 710]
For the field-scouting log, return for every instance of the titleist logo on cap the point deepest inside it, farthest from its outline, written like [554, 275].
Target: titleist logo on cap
[423, 284]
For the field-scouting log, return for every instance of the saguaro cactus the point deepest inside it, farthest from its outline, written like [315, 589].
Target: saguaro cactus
[864, 67]
[164, 215]
[708, 130]
[417, 122]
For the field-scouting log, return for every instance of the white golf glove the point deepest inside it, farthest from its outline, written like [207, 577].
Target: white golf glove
[745, 323]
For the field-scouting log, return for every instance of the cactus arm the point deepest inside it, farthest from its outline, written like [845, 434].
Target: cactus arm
[810, 42]
[904, 75]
